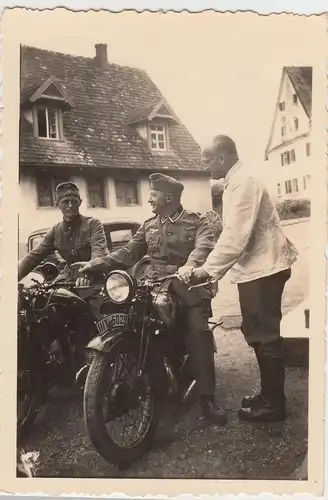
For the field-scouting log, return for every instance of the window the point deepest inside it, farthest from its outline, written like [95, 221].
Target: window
[96, 192]
[288, 187]
[306, 181]
[295, 101]
[46, 186]
[288, 157]
[120, 238]
[158, 140]
[291, 186]
[282, 159]
[36, 240]
[279, 189]
[308, 149]
[285, 158]
[292, 155]
[283, 130]
[295, 185]
[296, 123]
[47, 123]
[282, 106]
[126, 193]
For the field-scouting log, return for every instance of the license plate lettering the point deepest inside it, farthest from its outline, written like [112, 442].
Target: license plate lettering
[117, 320]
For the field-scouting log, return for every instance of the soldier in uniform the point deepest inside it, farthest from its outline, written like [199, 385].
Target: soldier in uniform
[176, 238]
[75, 238]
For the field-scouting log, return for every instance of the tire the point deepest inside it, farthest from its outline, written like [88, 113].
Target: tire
[97, 387]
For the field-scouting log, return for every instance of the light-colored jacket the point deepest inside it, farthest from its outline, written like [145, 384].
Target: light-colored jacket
[252, 243]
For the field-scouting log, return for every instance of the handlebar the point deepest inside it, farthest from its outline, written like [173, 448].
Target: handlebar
[159, 281]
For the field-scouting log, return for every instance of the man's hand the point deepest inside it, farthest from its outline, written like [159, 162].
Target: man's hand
[185, 273]
[81, 267]
[83, 282]
[199, 275]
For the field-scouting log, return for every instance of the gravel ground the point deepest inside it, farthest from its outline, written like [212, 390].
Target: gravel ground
[184, 447]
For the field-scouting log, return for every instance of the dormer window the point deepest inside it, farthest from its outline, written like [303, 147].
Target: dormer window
[47, 123]
[154, 124]
[158, 137]
[47, 102]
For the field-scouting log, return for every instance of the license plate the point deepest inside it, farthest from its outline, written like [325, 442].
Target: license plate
[111, 321]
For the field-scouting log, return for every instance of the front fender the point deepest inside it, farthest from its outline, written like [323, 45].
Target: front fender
[103, 343]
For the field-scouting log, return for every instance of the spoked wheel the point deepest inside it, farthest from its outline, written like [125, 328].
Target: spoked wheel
[27, 406]
[121, 417]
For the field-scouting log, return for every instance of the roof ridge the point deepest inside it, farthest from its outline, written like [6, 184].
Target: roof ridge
[84, 58]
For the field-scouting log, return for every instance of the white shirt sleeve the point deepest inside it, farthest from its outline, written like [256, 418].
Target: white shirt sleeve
[244, 205]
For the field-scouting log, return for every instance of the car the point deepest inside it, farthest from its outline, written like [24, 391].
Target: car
[118, 233]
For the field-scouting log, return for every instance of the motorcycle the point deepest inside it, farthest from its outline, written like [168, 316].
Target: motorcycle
[54, 325]
[136, 360]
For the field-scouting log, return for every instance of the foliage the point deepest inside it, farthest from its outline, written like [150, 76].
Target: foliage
[215, 222]
[294, 209]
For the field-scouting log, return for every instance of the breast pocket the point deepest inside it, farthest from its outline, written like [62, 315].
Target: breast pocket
[154, 242]
[187, 237]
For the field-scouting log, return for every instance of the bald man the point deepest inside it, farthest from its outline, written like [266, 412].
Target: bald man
[252, 244]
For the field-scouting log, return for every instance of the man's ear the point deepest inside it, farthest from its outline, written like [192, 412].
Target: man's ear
[221, 159]
[168, 198]
[80, 202]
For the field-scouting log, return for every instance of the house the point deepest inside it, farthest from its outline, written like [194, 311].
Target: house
[288, 152]
[105, 127]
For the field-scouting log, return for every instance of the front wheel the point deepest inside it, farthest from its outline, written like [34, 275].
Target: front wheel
[121, 419]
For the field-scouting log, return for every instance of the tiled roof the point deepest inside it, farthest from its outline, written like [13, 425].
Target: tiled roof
[301, 78]
[97, 130]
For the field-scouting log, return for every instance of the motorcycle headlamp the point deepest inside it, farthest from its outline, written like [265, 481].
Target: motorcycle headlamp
[120, 287]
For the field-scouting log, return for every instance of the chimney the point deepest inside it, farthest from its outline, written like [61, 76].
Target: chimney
[101, 55]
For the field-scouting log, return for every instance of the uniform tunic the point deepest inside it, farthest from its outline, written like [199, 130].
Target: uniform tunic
[185, 238]
[82, 239]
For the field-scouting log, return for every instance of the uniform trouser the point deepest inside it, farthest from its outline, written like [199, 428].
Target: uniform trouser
[200, 345]
[260, 304]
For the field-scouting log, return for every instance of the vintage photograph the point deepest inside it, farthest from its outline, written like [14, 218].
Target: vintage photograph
[166, 181]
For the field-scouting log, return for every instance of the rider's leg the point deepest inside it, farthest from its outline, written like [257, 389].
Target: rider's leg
[199, 340]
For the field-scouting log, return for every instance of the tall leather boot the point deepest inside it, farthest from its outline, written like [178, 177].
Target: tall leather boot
[272, 406]
[249, 401]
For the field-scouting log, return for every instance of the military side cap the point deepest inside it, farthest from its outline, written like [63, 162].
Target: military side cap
[166, 184]
[67, 189]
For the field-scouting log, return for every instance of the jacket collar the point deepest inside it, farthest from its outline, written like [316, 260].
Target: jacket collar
[231, 172]
[72, 223]
[174, 217]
